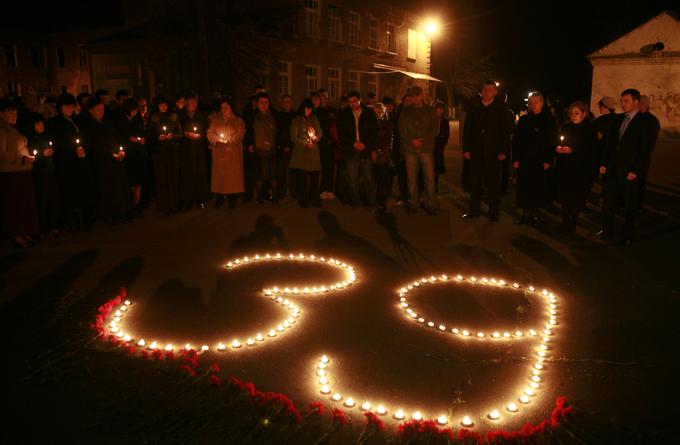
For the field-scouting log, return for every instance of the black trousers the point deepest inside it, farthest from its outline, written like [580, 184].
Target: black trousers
[383, 179]
[249, 177]
[618, 188]
[484, 170]
[327, 167]
[307, 184]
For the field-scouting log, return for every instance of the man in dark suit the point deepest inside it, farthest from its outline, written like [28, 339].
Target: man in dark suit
[486, 144]
[358, 132]
[624, 164]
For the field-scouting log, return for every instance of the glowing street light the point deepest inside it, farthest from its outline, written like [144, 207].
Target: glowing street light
[432, 27]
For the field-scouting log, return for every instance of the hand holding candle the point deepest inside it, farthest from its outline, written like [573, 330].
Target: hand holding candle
[80, 151]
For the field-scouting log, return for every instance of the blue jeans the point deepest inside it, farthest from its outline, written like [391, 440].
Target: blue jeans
[413, 160]
[352, 167]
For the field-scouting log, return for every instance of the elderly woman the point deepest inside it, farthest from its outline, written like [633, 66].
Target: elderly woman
[532, 156]
[18, 214]
[225, 135]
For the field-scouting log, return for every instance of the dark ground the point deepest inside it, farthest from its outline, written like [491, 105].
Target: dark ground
[615, 354]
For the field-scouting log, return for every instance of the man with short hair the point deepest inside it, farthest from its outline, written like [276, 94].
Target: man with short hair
[264, 142]
[418, 128]
[624, 164]
[284, 145]
[358, 132]
[486, 144]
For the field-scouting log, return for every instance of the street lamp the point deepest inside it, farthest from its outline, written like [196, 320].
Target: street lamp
[432, 27]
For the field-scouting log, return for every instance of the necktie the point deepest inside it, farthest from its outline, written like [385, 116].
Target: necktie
[624, 125]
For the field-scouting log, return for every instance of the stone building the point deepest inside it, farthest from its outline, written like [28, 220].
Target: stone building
[647, 58]
[289, 46]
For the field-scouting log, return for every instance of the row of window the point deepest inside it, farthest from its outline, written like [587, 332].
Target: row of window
[39, 56]
[333, 85]
[313, 27]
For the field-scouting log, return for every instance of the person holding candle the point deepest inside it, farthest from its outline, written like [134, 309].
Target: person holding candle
[264, 141]
[74, 169]
[44, 174]
[107, 150]
[131, 131]
[305, 132]
[225, 136]
[532, 157]
[358, 131]
[576, 155]
[193, 174]
[382, 156]
[440, 143]
[284, 145]
[166, 134]
[18, 213]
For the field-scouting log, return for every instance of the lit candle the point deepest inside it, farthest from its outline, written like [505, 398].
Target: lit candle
[120, 149]
[35, 153]
[399, 414]
[442, 420]
[561, 140]
[381, 410]
[494, 415]
[349, 402]
[141, 343]
[366, 406]
[50, 144]
[417, 415]
[524, 399]
[325, 389]
[165, 129]
[467, 421]
[235, 344]
[220, 347]
[512, 407]
[195, 129]
[337, 397]
[204, 348]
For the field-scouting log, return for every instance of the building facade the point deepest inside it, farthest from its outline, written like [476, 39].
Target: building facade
[648, 59]
[289, 46]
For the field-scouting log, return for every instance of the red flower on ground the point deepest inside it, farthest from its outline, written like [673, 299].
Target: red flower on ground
[373, 419]
[317, 408]
[339, 416]
[214, 380]
[215, 368]
[189, 370]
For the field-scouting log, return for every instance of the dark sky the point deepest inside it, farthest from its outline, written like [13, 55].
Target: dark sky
[536, 45]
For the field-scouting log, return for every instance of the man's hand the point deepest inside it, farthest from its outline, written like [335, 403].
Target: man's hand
[29, 159]
[418, 143]
[466, 155]
[546, 166]
[515, 164]
[359, 146]
[631, 176]
[603, 169]
[48, 152]
[502, 157]
[80, 152]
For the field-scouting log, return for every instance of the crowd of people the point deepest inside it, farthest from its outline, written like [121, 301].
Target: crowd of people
[102, 159]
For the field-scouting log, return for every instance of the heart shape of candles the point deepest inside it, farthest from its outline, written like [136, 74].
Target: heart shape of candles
[540, 335]
[277, 295]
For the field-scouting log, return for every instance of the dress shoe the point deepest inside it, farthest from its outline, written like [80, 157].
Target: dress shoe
[602, 234]
[469, 215]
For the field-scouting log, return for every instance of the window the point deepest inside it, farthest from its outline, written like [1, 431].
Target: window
[312, 79]
[82, 57]
[38, 57]
[11, 55]
[335, 31]
[312, 18]
[61, 57]
[391, 38]
[334, 82]
[373, 25]
[262, 72]
[353, 81]
[354, 28]
[285, 69]
[372, 83]
[412, 44]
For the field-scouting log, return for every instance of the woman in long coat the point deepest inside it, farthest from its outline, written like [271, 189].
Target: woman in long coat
[18, 215]
[532, 156]
[108, 151]
[165, 134]
[225, 136]
[44, 174]
[305, 132]
[131, 130]
[193, 173]
[73, 165]
[576, 157]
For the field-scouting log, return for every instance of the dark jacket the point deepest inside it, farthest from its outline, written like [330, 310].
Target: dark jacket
[440, 143]
[631, 152]
[574, 170]
[418, 122]
[487, 130]
[533, 145]
[368, 132]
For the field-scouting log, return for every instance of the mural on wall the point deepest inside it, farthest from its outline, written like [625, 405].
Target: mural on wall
[666, 106]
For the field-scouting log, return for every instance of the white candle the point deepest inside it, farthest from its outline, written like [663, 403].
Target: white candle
[399, 414]
[417, 416]
[467, 421]
[442, 420]
[512, 407]
[494, 415]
